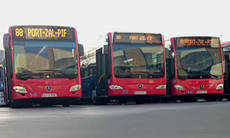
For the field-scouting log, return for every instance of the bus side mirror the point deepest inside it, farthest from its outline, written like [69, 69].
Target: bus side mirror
[81, 50]
[6, 41]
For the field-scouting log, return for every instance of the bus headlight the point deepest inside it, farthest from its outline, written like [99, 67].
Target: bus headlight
[115, 87]
[219, 86]
[75, 88]
[179, 87]
[161, 87]
[19, 89]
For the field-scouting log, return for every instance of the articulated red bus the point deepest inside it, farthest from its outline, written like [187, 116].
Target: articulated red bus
[226, 56]
[197, 68]
[130, 66]
[41, 65]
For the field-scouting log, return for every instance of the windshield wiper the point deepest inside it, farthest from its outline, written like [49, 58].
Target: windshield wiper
[210, 74]
[215, 76]
[140, 72]
[63, 73]
[149, 73]
[25, 76]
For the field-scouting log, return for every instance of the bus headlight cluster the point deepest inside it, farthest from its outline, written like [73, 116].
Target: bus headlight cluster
[115, 87]
[75, 88]
[179, 87]
[220, 86]
[161, 87]
[19, 89]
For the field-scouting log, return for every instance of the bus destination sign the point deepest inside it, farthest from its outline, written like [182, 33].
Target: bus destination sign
[197, 42]
[43, 33]
[137, 38]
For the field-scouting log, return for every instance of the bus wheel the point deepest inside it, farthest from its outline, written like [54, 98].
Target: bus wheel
[65, 105]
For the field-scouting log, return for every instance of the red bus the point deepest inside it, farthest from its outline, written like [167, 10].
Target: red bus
[226, 56]
[197, 69]
[130, 66]
[41, 65]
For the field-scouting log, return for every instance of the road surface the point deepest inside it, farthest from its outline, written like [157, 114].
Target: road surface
[167, 120]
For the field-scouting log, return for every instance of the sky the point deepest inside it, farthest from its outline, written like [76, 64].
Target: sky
[93, 19]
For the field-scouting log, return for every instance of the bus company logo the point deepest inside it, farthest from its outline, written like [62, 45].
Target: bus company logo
[201, 86]
[139, 86]
[48, 88]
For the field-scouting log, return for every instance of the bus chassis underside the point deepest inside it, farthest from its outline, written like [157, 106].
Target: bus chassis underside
[65, 101]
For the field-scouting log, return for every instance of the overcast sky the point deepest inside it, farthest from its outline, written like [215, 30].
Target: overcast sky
[93, 19]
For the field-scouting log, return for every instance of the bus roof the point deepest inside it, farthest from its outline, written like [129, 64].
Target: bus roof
[40, 26]
[195, 36]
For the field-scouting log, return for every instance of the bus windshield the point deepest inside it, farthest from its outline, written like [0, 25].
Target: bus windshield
[198, 63]
[138, 61]
[45, 59]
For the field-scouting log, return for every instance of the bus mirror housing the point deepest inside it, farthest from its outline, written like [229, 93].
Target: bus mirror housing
[6, 41]
[81, 50]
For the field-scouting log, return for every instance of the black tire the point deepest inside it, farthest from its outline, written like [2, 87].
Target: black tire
[65, 105]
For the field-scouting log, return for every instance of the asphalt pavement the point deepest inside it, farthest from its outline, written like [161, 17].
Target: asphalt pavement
[164, 120]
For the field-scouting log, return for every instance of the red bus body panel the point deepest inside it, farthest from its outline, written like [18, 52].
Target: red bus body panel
[131, 85]
[192, 86]
[36, 87]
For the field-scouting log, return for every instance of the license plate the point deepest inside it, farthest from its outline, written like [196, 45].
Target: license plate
[49, 95]
[140, 92]
[201, 92]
